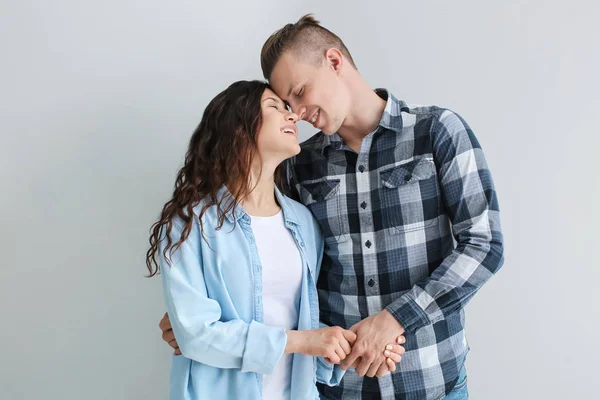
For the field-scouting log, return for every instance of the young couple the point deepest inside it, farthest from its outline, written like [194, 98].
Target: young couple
[335, 269]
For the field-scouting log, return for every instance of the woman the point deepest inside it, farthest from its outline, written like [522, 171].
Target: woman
[240, 260]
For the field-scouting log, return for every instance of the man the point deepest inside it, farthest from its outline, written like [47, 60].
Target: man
[409, 213]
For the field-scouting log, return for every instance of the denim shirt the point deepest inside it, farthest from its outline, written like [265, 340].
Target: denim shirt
[213, 294]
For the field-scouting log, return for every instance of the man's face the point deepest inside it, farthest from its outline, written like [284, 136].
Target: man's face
[316, 93]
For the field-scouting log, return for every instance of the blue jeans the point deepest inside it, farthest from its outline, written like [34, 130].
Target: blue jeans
[460, 390]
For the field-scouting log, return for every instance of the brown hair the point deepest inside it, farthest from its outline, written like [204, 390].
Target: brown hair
[220, 152]
[306, 38]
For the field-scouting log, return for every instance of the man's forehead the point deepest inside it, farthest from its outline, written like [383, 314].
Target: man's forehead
[282, 84]
[285, 76]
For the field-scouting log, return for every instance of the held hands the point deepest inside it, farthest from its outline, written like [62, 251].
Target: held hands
[365, 346]
[373, 334]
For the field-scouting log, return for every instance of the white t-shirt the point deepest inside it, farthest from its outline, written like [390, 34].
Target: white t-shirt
[282, 279]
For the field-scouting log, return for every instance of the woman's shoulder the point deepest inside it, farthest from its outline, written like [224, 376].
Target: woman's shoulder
[204, 208]
[299, 209]
[305, 217]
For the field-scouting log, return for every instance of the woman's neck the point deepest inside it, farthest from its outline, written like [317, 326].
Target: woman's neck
[261, 201]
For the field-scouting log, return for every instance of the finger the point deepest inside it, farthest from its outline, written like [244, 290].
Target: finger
[345, 346]
[350, 336]
[340, 353]
[333, 357]
[357, 362]
[392, 356]
[177, 352]
[173, 343]
[382, 371]
[354, 354]
[168, 336]
[395, 348]
[363, 367]
[391, 365]
[165, 323]
[401, 339]
[372, 371]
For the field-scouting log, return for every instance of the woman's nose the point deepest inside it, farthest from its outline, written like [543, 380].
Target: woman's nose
[292, 117]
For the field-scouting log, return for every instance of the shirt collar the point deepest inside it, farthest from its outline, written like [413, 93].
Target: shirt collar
[390, 119]
[238, 213]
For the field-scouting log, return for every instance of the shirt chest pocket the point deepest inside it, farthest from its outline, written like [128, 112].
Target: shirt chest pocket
[409, 196]
[325, 199]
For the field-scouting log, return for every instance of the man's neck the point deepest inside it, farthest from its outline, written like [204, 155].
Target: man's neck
[364, 116]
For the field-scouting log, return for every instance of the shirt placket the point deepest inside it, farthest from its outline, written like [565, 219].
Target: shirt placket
[367, 236]
[368, 244]
[245, 224]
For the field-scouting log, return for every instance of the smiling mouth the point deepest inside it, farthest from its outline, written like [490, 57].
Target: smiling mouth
[289, 131]
[314, 118]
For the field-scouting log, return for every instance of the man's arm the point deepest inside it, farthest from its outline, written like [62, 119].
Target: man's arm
[471, 204]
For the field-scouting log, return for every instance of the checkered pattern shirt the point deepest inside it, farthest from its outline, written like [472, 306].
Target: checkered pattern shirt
[411, 224]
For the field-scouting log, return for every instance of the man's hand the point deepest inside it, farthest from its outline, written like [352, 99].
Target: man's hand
[167, 333]
[373, 334]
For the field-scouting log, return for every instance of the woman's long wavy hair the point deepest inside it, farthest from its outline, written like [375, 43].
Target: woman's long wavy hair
[221, 152]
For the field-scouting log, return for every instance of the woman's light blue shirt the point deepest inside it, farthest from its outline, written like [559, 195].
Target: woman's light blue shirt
[213, 293]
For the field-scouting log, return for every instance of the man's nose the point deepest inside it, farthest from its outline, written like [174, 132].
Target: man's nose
[300, 111]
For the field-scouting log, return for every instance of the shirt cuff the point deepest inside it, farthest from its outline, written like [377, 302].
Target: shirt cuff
[409, 314]
[264, 347]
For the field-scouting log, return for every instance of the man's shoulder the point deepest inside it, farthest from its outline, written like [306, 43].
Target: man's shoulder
[311, 149]
[420, 111]
[314, 143]
[422, 120]
[411, 112]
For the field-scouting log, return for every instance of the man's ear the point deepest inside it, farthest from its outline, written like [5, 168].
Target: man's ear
[335, 59]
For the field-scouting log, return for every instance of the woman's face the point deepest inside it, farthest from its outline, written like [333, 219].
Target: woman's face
[278, 136]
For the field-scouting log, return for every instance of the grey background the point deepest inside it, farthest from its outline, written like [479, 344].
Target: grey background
[98, 101]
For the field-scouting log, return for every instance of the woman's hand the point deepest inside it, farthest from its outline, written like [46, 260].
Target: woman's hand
[332, 343]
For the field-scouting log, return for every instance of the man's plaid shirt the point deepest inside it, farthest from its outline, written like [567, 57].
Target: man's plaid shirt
[411, 224]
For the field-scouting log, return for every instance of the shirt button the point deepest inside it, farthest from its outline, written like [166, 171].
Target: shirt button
[363, 205]
[368, 244]
[361, 168]
[301, 244]
[371, 283]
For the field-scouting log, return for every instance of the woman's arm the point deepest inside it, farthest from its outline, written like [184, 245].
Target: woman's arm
[195, 318]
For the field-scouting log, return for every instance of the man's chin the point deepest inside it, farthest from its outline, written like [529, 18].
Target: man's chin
[331, 128]
[328, 130]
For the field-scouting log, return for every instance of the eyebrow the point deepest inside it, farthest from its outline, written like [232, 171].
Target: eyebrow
[290, 90]
[286, 105]
[274, 99]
